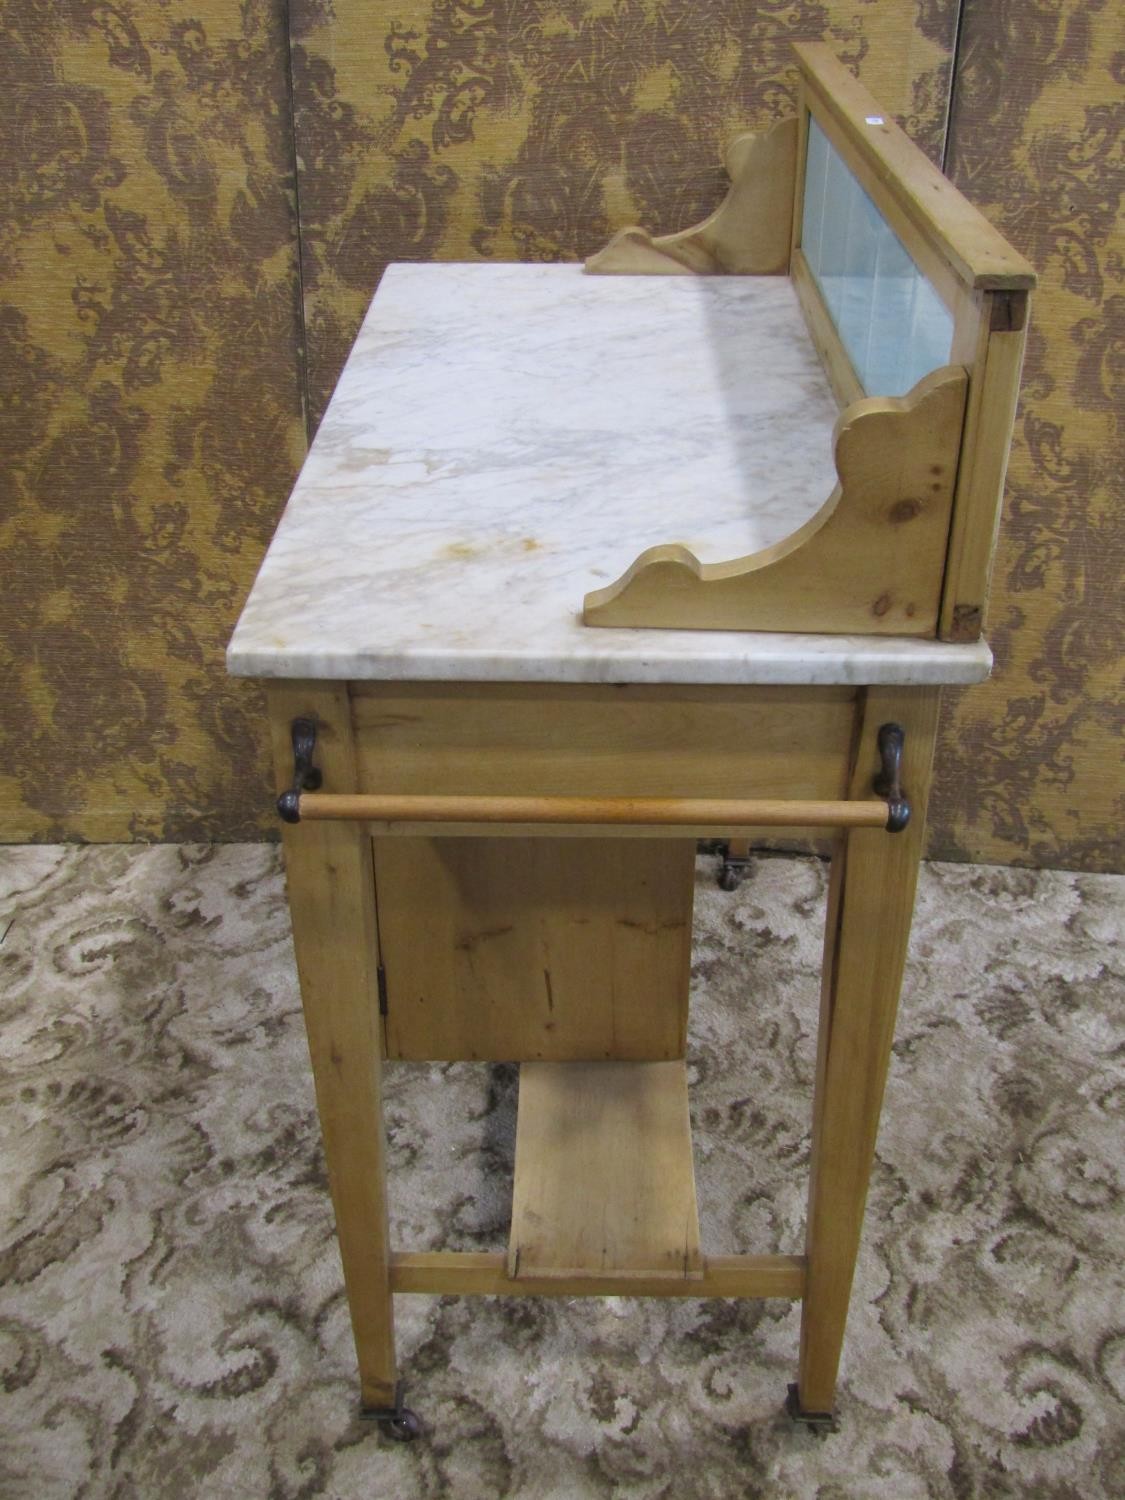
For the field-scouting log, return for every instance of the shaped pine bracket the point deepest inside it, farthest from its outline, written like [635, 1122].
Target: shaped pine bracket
[747, 235]
[869, 562]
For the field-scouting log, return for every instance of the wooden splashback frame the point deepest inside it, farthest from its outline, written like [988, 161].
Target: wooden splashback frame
[983, 281]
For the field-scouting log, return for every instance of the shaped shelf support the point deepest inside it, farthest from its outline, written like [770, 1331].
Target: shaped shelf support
[869, 562]
[747, 235]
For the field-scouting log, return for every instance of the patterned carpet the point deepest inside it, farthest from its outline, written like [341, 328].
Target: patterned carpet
[171, 1314]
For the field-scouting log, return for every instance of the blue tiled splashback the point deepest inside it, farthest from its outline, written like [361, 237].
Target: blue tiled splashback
[890, 319]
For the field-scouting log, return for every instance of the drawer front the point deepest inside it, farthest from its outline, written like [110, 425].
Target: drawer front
[493, 739]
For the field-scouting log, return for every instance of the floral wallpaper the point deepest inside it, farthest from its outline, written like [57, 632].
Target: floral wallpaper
[150, 411]
[168, 320]
[1031, 762]
[469, 129]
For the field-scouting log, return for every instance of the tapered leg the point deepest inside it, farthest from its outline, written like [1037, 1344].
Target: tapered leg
[871, 902]
[332, 902]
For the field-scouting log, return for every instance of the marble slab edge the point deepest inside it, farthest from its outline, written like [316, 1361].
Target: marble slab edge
[783, 660]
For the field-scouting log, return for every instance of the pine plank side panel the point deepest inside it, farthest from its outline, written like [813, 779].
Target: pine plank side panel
[516, 949]
[604, 1182]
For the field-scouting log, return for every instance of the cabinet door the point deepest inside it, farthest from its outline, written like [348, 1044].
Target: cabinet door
[511, 949]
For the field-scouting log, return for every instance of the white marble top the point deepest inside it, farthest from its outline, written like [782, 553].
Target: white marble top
[505, 438]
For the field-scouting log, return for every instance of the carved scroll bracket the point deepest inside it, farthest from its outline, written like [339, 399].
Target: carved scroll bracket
[747, 235]
[868, 563]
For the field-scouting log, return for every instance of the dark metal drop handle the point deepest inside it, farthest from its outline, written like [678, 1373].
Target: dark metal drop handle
[888, 783]
[306, 776]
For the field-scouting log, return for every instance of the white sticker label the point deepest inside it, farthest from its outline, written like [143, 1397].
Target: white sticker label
[874, 119]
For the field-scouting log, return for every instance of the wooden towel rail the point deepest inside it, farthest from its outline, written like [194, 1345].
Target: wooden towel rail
[664, 812]
[304, 800]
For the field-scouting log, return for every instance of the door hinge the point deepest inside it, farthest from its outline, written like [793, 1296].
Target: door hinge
[381, 980]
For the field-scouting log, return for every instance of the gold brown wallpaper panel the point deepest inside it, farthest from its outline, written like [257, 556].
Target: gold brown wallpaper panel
[1031, 764]
[160, 335]
[150, 414]
[470, 129]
